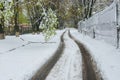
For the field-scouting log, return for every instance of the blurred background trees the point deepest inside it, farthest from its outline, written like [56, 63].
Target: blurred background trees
[24, 16]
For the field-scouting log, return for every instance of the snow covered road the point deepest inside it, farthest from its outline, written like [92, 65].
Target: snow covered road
[38, 61]
[75, 63]
[69, 65]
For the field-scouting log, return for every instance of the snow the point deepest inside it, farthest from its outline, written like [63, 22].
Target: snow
[103, 23]
[9, 43]
[106, 55]
[21, 57]
[69, 65]
[23, 62]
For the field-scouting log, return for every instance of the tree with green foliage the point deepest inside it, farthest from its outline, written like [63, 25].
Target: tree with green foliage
[49, 23]
[34, 10]
[43, 17]
[69, 13]
[5, 14]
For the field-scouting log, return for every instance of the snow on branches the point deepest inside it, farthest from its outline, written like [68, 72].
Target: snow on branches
[49, 23]
[6, 11]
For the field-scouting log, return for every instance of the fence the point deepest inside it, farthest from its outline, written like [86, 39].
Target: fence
[103, 25]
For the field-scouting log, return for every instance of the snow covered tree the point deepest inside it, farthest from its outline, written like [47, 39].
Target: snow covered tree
[5, 14]
[49, 23]
[34, 10]
[42, 17]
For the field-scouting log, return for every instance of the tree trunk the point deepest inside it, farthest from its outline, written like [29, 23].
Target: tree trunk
[91, 8]
[118, 37]
[16, 12]
[2, 36]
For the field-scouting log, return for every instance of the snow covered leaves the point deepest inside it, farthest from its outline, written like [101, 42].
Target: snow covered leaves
[5, 11]
[49, 23]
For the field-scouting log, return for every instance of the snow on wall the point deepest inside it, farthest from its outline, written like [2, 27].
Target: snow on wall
[103, 24]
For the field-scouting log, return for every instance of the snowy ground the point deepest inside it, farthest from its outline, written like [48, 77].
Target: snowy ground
[106, 56]
[19, 61]
[69, 65]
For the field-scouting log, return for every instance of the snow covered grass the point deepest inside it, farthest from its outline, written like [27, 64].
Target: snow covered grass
[9, 43]
[23, 62]
[106, 56]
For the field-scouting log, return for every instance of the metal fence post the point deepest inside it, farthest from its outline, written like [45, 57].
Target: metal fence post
[117, 22]
[94, 33]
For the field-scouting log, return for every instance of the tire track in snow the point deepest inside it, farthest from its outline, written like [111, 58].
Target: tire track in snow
[43, 72]
[89, 70]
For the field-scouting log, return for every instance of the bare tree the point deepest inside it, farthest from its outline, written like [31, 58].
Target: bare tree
[87, 7]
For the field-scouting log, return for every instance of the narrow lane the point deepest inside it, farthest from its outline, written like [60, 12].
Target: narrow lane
[72, 61]
[68, 66]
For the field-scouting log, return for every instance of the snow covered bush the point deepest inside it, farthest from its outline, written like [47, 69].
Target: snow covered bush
[49, 23]
[5, 11]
